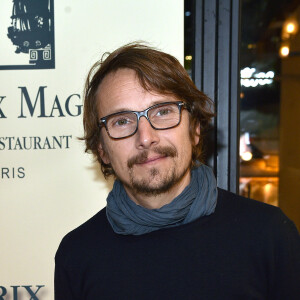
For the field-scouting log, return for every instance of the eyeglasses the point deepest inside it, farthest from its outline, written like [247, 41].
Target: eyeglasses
[160, 116]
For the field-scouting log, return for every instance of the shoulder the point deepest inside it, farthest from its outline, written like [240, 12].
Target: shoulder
[260, 217]
[76, 242]
[230, 202]
[267, 233]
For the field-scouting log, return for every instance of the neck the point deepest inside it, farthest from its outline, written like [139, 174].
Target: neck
[156, 201]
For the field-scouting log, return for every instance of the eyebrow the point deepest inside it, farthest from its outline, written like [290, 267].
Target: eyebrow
[119, 110]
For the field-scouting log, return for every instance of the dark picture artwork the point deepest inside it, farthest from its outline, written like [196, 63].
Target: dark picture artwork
[32, 31]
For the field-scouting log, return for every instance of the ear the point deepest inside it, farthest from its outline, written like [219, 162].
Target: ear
[103, 154]
[197, 134]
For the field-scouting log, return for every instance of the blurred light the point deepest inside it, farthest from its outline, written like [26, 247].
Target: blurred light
[269, 74]
[189, 57]
[187, 13]
[290, 27]
[247, 138]
[245, 150]
[246, 156]
[268, 189]
[260, 75]
[251, 79]
[247, 72]
[242, 95]
[284, 51]
[251, 46]
[255, 82]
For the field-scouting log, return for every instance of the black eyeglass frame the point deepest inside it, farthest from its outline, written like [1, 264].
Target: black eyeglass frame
[139, 114]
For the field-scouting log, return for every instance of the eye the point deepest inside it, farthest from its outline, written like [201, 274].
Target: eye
[164, 111]
[121, 122]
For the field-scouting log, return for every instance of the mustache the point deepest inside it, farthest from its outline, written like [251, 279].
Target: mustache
[143, 156]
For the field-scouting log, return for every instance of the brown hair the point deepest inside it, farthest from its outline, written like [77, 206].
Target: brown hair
[156, 71]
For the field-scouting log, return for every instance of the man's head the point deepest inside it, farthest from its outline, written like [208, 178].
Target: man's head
[152, 72]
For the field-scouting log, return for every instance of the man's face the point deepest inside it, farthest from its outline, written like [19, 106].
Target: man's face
[150, 162]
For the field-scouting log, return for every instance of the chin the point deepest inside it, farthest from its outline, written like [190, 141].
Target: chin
[155, 183]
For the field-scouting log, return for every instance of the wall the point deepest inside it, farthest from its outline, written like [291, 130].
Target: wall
[48, 186]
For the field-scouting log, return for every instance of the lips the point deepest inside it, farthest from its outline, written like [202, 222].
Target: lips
[151, 159]
[157, 153]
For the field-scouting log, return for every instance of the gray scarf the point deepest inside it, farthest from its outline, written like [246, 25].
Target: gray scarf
[198, 199]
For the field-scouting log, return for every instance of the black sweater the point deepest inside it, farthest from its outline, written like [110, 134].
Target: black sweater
[245, 250]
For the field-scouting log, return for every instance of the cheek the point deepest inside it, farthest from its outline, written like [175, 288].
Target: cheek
[118, 154]
[187, 144]
[181, 140]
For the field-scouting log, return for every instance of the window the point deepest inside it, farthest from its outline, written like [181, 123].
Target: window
[270, 103]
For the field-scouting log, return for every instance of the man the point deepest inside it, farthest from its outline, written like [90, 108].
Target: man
[167, 232]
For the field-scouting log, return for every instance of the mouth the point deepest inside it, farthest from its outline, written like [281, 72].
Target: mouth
[158, 154]
[151, 160]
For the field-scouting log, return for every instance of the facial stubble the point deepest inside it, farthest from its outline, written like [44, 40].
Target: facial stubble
[156, 182]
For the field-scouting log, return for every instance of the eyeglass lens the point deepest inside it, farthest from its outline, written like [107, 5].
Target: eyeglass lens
[161, 116]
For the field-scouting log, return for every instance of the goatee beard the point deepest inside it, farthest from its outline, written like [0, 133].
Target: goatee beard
[148, 186]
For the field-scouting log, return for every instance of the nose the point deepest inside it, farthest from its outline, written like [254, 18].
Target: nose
[146, 136]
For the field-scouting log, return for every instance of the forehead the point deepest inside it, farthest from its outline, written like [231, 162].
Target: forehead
[121, 90]
[116, 83]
